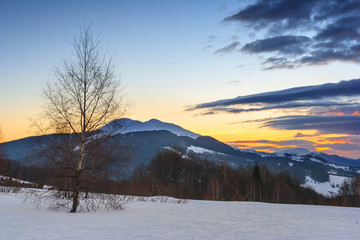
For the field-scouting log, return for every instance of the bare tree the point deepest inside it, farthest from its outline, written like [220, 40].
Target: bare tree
[82, 97]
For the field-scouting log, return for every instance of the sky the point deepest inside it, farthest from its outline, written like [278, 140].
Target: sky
[264, 75]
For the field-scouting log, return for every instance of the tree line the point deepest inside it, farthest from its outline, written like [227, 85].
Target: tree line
[173, 172]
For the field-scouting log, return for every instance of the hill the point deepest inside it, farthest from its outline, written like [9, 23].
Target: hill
[145, 139]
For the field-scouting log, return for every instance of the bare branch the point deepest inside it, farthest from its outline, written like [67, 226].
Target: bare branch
[83, 96]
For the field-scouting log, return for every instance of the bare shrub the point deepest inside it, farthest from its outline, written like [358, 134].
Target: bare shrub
[56, 200]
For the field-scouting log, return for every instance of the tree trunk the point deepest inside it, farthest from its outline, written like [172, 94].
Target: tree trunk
[213, 190]
[75, 202]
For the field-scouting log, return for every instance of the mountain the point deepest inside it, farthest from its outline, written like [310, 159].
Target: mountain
[334, 159]
[295, 151]
[145, 139]
[337, 160]
[129, 125]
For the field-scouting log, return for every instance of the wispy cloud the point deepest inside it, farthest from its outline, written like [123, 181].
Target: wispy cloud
[345, 92]
[301, 135]
[323, 124]
[233, 81]
[228, 49]
[299, 143]
[274, 145]
[291, 45]
[332, 108]
[215, 110]
[302, 32]
[345, 146]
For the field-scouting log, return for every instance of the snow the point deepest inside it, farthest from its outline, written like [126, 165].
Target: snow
[23, 182]
[294, 151]
[129, 126]
[246, 150]
[316, 160]
[297, 158]
[15, 180]
[262, 154]
[330, 164]
[202, 150]
[169, 220]
[338, 167]
[328, 188]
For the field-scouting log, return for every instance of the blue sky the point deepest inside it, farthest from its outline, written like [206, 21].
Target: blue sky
[176, 55]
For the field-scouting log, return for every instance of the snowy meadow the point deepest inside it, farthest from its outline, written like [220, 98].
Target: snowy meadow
[169, 219]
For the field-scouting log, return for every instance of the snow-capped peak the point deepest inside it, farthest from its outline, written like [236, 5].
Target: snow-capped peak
[294, 151]
[127, 125]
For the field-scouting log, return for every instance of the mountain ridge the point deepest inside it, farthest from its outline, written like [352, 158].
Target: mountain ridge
[147, 138]
[129, 125]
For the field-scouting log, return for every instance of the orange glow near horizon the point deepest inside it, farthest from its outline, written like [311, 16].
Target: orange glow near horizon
[332, 141]
[266, 150]
[335, 113]
[15, 129]
[320, 149]
[257, 144]
[219, 128]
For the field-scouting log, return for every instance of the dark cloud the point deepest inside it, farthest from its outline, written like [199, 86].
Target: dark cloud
[343, 29]
[251, 121]
[336, 8]
[356, 49]
[291, 45]
[323, 124]
[284, 14]
[279, 106]
[208, 113]
[328, 45]
[344, 110]
[278, 62]
[293, 97]
[326, 31]
[345, 147]
[323, 57]
[228, 49]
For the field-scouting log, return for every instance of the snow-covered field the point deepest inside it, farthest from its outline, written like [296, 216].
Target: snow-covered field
[329, 188]
[190, 220]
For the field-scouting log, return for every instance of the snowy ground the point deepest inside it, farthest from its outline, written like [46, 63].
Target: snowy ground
[192, 220]
[329, 188]
[16, 180]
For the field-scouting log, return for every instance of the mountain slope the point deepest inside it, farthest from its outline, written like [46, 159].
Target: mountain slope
[145, 139]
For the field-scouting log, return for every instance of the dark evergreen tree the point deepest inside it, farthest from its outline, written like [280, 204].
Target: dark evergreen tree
[258, 181]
